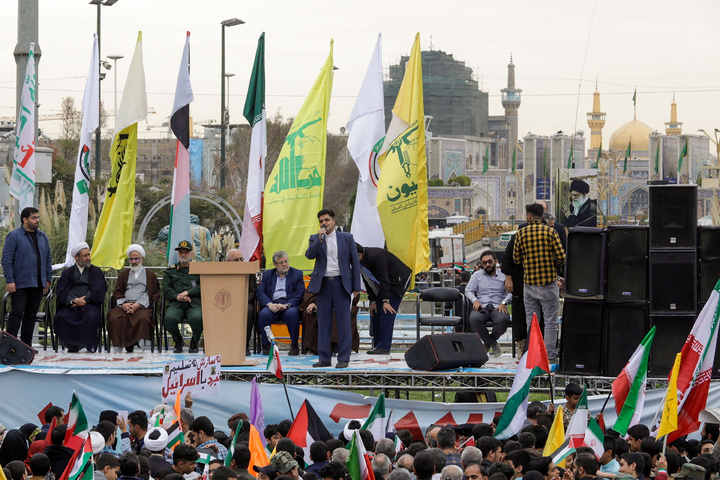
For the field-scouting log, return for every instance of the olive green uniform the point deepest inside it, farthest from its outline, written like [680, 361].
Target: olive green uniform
[177, 279]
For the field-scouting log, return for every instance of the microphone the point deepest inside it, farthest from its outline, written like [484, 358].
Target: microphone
[322, 235]
[269, 334]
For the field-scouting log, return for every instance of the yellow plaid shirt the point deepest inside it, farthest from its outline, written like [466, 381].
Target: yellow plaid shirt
[538, 249]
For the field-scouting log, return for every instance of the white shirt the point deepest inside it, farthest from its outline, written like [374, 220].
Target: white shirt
[332, 268]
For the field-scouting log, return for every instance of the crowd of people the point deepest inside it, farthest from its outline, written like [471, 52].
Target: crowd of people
[133, 449]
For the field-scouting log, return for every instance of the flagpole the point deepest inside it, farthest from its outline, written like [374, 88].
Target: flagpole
[552, 390]
[664, 445]
[662, 405]
[292, 415]
[606, 402]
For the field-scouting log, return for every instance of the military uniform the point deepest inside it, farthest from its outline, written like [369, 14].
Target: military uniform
[177, 279]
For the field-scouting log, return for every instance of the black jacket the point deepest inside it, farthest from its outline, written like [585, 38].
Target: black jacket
[392, 273]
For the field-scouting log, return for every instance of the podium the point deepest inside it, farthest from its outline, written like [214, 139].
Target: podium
[224, 293]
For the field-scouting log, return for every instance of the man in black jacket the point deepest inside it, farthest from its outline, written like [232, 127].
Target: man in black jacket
[386, 279]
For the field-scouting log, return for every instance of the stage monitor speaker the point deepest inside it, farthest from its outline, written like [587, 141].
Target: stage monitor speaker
[627, 263]
[585, 263]
[446, 351]
[672, 331]
[673, 216]
[673, 281]
[708, 261]
[626, 324]
[582, 337]
[14, 352]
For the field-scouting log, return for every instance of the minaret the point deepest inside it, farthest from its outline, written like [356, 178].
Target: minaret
[673, 127]
[596, 121]
[511, 103]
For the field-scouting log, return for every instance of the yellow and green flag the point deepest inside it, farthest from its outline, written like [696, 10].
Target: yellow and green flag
[113, 233]
[294, 190]
[402, 188]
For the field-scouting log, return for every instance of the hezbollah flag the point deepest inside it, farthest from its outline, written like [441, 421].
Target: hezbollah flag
[402, 188]
[294, 190]
[114, 229]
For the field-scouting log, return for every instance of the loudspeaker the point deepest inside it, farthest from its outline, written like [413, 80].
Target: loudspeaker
[582, 337]
[673, 216]
[14, 352]
[673, 281]
[445, 351]
[626, 324]
[672, 331]
[627, 263]
[708, 260]
[585, 263]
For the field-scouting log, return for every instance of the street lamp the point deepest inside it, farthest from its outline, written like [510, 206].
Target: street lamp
[115, 58]
[223, 121]
[99, 3]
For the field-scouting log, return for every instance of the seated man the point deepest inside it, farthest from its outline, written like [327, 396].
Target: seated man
[486, 291]
[130, 321]
[280, 293]
[182, 290]
[80, 293]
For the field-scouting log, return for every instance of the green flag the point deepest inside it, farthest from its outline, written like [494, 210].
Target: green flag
[657, 158]
[683, 154]
[545, 174]
[635, 97]
[599, 156]
[514, 162]
[486, 160]
[627, 155]
[570, 156]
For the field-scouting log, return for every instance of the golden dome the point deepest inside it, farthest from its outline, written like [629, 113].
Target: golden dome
[635, 129]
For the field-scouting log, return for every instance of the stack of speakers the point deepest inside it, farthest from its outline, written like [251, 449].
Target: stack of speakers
[623, 280]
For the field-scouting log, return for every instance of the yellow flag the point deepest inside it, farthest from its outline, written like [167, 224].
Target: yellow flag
[556, 436]
[113, 233]
[2, 474]
[669, 420]
[294, 190]
[402, 197]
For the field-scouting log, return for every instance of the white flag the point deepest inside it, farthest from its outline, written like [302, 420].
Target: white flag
[91, 120]
[22, 184]
[367, 130]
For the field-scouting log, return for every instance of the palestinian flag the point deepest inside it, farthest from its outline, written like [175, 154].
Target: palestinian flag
[205, 456]
[175, 433]
[533, 363]
[376, 422]
[273, 364]
[308, 428]
[564, 451]
[77, 421]
[595, 438]
[579, 422]
[80, 465]
[358, 464]
[628, 388]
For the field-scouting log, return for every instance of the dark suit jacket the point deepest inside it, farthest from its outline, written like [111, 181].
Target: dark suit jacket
[348, 262]
[390, 271]
[96, 294]
[294, 286]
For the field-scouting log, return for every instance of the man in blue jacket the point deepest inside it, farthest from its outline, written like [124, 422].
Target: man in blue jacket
[280, 292]
[335, 278]
[27, 264]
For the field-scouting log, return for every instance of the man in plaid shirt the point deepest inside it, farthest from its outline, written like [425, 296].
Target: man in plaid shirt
[539, 250]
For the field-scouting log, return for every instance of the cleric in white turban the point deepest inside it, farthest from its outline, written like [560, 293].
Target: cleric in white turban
[130, 321]
[80, 293]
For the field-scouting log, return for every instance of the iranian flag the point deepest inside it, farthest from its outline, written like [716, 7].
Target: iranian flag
[376, 422]
[358, 464]
[273, 364]
[80, 465]
[579, 422]
[628, 388]
[693, 380]
[254, 112]
[533, 363]
[307, 428]
[595, 438]
[180, 125]
[77, 421]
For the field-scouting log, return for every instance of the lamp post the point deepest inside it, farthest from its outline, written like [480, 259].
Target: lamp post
[223, 120]
[115, 58]
[99, 3]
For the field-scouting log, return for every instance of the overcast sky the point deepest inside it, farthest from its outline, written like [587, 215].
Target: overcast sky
[655, 46]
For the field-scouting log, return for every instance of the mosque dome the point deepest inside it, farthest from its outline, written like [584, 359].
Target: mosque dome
[634, 129]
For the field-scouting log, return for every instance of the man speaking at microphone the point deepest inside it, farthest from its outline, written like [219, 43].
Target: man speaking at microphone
[335, 277]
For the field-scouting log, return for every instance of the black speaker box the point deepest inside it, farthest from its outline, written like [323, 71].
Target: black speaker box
[14, 352]
[672, 331]
[446, 351]
[582, 337]
[585, 263]
[708, 261]
[626, 324]
[673, 281]
[673, 216]
[627, 264]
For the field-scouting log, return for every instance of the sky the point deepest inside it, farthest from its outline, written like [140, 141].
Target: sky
[559, 47]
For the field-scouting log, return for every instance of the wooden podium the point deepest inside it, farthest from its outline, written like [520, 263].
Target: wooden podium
[224, 292]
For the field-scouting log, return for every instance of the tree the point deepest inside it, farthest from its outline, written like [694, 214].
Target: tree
[460, 181]
[436, 182]
[71, 126]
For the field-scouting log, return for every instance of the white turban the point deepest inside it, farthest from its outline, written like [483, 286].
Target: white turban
[136, 248]
[80, 246]
[159, 444]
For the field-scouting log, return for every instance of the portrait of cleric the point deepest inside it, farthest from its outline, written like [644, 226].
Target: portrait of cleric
[582, 210]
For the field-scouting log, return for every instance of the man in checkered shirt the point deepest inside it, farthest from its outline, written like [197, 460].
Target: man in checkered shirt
[539, 250]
